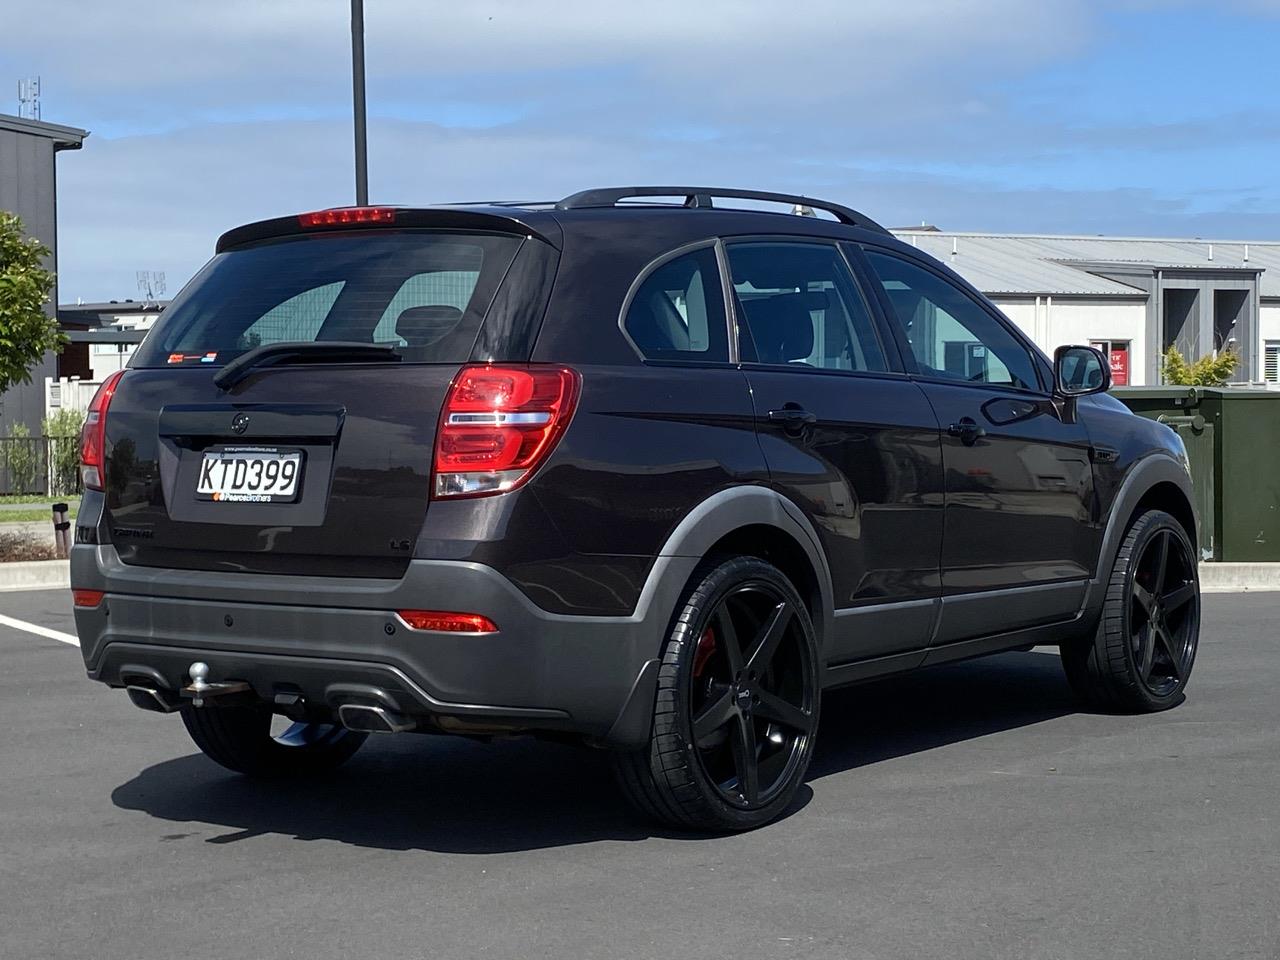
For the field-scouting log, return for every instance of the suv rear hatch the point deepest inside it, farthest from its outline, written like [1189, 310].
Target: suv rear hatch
[315, 460]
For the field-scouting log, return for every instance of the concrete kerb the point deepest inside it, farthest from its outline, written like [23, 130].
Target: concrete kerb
[35, 575]
[1223, 577]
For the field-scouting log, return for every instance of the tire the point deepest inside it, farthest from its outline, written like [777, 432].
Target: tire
[1139, 659]
[736, 713]
[239, 738]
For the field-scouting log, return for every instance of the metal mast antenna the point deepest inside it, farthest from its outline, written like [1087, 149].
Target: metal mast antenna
[357, 99]
[29, 98]
[151, 283]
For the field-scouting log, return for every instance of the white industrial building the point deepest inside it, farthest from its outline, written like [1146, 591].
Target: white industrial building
[1134, 297]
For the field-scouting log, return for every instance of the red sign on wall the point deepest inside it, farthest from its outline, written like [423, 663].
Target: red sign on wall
[1118, 354]
[1120, 366]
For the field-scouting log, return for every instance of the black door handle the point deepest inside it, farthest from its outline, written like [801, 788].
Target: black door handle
[967, 430]
[793, 417]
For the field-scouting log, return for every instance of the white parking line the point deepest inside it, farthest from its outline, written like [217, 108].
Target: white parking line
[39, 631]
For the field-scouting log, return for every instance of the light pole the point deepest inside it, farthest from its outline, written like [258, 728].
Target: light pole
[357, 102]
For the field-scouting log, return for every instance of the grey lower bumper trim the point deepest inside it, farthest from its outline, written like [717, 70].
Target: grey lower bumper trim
[314, 676]
[579, 671]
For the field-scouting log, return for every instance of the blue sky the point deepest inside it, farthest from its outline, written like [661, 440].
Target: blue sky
[1136, 117]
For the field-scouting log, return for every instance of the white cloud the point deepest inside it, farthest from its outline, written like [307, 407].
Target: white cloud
[208, 114]
[159, 202]
[145, 63]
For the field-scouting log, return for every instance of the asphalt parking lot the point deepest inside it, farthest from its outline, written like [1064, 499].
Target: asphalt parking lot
[970, 811]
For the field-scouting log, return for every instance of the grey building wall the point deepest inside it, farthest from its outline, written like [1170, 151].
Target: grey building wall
[28, 188]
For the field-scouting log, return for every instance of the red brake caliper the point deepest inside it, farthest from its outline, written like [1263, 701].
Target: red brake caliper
[706, 647]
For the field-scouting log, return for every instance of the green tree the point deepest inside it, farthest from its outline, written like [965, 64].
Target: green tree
[1208, 371]
[26, 332]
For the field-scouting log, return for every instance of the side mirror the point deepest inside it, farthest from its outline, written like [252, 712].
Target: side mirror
[1079, 371]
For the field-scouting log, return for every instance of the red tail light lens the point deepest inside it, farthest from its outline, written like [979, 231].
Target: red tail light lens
[93, 435]
[447, 622]
[343, 215]
[498, 425]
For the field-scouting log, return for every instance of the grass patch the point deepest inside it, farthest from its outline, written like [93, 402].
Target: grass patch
[32, 498]
[34, 515]
[21, 546]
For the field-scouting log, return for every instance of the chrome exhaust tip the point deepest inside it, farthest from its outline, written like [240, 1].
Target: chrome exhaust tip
[366, 718]
[149, 698]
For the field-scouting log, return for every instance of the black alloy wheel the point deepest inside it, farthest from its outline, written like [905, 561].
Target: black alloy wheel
[736, 712]
[1164, 613]
[1139, 659]
[753, 713]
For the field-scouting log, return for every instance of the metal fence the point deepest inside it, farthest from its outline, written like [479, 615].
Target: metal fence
[44, 466]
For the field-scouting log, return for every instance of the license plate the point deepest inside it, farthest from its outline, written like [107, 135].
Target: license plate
[249, 475]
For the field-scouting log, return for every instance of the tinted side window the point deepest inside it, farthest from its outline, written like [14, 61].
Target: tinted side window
[800, 305]
[951, 335]
[678, 312]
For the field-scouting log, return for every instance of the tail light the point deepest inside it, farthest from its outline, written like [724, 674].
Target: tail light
[93, 435]
[498, 425]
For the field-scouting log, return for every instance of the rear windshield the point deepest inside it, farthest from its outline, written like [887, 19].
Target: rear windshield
[422, 292]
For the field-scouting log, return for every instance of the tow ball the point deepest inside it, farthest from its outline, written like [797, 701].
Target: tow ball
[200, 689]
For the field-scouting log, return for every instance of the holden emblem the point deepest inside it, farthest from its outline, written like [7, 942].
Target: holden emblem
[240, 423]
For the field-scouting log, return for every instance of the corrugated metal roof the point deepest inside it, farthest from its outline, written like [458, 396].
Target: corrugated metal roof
[1030, 264]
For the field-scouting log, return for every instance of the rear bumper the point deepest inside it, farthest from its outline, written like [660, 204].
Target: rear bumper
[338, 640]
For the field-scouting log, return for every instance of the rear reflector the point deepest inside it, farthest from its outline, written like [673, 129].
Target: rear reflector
[498, 425]
[93, 435]
[447, 622]
[86, 598]
[341, 215]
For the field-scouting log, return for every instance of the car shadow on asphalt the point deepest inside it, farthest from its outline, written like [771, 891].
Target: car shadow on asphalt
[451, 795]
[930, 708]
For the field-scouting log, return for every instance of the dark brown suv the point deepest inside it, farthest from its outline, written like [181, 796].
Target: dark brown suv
[632, 468]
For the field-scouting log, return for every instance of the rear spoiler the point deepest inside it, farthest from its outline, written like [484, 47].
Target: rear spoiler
[493, 220]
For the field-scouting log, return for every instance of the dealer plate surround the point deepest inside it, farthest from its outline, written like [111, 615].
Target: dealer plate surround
[249, 474]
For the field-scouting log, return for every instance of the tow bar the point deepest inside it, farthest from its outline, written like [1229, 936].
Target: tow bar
[200, 690]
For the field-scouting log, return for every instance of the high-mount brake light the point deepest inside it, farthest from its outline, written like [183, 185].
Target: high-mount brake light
[93, 435]
[444, 622]
[343, 215]
[498, 426]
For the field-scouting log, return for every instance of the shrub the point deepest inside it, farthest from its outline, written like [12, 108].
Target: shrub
[63, 431]
[1208, 371]
[20, 456]
[24, 546]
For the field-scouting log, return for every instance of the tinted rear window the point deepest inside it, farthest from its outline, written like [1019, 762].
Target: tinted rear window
[424, 292]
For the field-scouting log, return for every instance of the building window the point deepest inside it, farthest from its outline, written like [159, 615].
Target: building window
[1117, 351]
[1271, 362]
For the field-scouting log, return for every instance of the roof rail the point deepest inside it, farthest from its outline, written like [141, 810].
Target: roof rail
[499, 203]
[701, 197]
